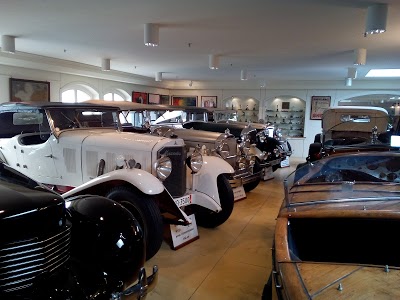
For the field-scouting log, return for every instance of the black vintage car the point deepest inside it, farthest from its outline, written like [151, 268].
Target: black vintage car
[85, 247]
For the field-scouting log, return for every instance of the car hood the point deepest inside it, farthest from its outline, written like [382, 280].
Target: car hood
[116, 139]
[18, 200]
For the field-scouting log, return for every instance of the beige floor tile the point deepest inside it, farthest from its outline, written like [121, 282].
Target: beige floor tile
[232, 261]
[232, 280]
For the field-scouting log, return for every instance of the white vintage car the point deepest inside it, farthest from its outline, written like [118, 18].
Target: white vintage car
[81, 146]
[165, 120]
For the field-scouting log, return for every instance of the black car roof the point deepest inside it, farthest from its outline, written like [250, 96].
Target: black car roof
[45, 105]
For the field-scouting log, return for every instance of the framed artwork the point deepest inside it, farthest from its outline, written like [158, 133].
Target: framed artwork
[184, 100]
[208, 101]
[285, 105]
[139, 97]
[154, 98]
[22, 90]
[164, 99]
[318, 105]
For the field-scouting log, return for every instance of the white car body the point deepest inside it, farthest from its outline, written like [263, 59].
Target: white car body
[79, 149]
[70, 158]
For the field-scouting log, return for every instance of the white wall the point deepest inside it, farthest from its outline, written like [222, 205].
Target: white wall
[302, 90]
[59, 80]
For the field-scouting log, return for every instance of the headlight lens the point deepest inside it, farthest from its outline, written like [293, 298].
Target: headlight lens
[195, 161]
[223, 150]
[163, 167]
[120, 161]
[252, 160]
[242, 163]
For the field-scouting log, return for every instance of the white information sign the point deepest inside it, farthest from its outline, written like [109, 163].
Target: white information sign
[182, 235]
[239, 193]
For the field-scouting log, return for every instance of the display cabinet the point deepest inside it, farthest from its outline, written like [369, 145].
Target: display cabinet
[290, 121]
[247, 115]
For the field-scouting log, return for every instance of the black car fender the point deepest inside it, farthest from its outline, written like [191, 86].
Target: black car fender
[106, 239]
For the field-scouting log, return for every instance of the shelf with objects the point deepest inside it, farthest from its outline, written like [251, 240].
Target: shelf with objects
[289, 118]
[245, 109]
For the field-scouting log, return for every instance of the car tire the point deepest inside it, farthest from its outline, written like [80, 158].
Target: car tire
[146, 212]
[275, 167]
[252, 185]
[210, 219]
[267, 291]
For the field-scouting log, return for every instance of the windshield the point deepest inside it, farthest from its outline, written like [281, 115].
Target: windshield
[344, 126]
[70, 117]
[137, 118]
[364, 175]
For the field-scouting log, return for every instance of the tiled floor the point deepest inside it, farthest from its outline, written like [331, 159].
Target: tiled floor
[231, 261]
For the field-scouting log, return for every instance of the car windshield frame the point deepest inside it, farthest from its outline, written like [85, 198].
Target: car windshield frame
[72, 118]
[348, 177]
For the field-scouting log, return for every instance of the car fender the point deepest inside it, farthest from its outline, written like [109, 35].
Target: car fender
[204, 182]
[142, 180]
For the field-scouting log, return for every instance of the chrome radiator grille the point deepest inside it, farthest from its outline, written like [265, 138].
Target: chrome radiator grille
[176, 182]
[232, 143]
[22, 261]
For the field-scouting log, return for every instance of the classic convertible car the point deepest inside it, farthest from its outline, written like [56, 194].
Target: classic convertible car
[335, 235]
[81, 247]
[351, 129]
[66, 145]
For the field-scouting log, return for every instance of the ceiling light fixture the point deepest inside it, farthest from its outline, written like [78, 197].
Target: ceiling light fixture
[105, 64]
[151, 34]
[213, 62]
[8, 44]
[352, 72]
[376, 19]
[243, 75]
[158, 76]
[383, 73]
[349, 81]
[360, 56]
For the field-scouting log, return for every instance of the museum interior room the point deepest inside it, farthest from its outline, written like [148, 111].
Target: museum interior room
[277, 64]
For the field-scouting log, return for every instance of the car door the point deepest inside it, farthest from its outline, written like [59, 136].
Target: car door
[33, 146]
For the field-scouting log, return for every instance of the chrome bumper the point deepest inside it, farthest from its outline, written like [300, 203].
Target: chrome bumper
[141, 289]
[241, 179]
[274, 162]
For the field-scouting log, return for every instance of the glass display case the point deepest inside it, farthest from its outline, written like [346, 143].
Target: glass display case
[288, 116]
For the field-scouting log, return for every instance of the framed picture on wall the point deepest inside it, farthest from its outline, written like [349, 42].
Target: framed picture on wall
[164, 99]
[139, 97]
[208, 101]
[285, 106]
[318, 105]
[184, 100]
[22, 90]
[154, 98]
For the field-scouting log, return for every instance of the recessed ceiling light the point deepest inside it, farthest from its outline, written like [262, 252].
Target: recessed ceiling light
[383, 73]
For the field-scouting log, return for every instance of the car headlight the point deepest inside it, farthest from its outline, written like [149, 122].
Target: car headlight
[195, 161]
[252, 160]
[163, 167]
[223, 150]
[242, 163]
[120, 161]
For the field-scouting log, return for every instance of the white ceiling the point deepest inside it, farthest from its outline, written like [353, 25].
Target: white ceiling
[275, 40]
